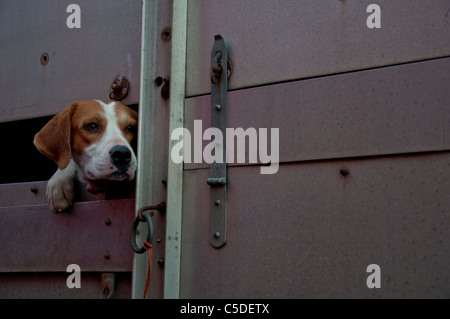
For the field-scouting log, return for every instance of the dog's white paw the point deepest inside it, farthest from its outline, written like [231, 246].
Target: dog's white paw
[60, 189]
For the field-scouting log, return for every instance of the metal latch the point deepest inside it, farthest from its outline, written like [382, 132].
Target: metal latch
[220, 72]
[119, 88]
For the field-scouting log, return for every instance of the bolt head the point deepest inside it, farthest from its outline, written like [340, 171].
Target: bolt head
[344, 172]
[214, 79]
[218, 56]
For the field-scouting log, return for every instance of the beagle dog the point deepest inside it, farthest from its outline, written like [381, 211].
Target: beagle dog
[90, 140]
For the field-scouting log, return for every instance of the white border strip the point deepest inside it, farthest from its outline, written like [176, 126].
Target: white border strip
[175, 171]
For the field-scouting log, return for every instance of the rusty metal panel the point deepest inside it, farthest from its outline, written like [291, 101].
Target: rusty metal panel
[275, 41]
[312, 229]
[94, 235]
[390, 110]
[81, 63]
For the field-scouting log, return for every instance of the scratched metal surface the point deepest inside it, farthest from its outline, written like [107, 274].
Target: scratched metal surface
[83, 63]
[275, 41]
[310, 232]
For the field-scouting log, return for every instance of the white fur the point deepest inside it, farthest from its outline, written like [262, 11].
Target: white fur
[60, 188]
[95, 162]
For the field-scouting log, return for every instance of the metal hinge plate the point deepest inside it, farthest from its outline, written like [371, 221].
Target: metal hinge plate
[220, 72]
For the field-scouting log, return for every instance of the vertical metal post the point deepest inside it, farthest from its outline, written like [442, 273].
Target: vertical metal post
[175, 174]
[145, 180]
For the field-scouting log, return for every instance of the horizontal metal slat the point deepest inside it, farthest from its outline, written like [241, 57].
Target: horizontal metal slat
[311, 230]
[54, 286]
[274, 41]
[392, 110]
[35, 240]
[34, 193]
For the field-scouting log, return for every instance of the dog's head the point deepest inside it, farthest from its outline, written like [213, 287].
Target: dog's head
[96, 135]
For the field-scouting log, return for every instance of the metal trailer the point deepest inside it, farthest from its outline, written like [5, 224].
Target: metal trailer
[359, 205]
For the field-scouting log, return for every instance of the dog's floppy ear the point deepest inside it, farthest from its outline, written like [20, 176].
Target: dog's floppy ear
[54, 139]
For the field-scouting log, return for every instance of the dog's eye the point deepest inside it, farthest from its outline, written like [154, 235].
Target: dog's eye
[91, 127]
[130, 129]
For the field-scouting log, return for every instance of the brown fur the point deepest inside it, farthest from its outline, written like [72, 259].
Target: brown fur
[66, 134]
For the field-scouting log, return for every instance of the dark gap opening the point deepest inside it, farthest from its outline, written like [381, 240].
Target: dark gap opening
[20, 161]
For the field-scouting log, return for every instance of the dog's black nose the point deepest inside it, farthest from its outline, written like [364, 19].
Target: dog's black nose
[120, 156]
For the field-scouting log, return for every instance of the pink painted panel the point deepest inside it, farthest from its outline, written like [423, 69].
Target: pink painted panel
[275, 41]
[82, 62]
[94, 235]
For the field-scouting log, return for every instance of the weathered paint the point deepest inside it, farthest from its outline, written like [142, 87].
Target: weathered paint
[401, 109]
[310, 232]
[277, 41]
[35, 240]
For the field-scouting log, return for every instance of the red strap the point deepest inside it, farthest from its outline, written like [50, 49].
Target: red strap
[148, 246]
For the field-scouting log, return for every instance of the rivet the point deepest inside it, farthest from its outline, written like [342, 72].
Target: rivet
[158, 81]
[108, 221]
[165, 90]
[218, 56]
[107, 255]
[214, 78]
[218, 107]
[161, 262]
[166, 35]
[217, 202]
[344, 172]
[217, 234]
[218, 70]
[45, 58]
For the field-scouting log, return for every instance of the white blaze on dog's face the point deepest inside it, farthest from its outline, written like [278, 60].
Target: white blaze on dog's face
[101, 137]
